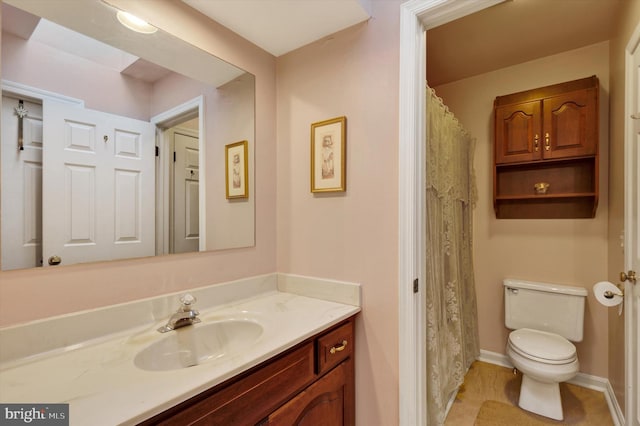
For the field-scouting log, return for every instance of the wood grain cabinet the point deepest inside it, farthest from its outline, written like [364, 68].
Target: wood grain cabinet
[310, 384]
[546, 151]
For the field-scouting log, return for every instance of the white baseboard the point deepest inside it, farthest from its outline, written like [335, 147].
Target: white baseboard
[588, 381]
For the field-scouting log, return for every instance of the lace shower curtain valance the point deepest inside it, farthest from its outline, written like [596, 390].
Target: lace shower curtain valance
[452, 332]
[449, 153]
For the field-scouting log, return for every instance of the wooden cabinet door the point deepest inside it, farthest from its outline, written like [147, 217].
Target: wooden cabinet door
[321, 404]
[518, 132]
[570, 124]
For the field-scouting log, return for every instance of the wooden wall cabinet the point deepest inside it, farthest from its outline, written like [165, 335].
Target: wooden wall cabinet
[546, 152]
[310, 384]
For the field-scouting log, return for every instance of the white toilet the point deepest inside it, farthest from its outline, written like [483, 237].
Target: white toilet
[544, 318]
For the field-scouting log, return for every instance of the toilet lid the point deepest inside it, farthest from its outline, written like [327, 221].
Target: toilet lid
[542, 346]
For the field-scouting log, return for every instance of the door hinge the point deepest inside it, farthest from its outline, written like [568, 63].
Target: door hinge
[174, 156]
[415, 285]
[157, 151]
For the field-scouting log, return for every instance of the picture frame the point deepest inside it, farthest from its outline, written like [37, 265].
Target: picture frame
[328, 155]
[237, 170]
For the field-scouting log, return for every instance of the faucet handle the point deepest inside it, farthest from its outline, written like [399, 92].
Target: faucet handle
[187, 299]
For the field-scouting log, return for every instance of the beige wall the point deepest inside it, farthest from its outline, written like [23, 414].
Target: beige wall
[353, 235]
[628, 20]
[569, 251]
[73, 288]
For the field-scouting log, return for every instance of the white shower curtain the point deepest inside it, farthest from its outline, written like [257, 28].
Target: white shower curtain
[452, 330]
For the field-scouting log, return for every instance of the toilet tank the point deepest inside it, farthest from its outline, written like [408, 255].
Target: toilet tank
[542, 306]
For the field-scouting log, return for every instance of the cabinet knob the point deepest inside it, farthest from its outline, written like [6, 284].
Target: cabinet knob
[536, 143]
[547, 144]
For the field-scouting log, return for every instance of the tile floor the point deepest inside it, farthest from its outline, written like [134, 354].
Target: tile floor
[486, 381]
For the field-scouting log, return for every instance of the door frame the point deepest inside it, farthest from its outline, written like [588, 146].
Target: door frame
[631, 346]
[416, 16]
[34, 93]
[163, 121]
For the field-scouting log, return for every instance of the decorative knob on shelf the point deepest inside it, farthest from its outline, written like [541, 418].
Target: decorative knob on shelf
[541, 187]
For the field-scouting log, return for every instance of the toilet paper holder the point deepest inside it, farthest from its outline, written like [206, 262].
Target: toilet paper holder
[610, 295]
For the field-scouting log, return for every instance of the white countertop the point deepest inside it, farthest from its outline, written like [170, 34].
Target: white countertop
[103, 386]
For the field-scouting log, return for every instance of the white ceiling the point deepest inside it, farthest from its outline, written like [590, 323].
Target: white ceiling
[280, 26]
[29, 27]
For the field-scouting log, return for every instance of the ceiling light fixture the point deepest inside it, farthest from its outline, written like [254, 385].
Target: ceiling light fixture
[134, 23]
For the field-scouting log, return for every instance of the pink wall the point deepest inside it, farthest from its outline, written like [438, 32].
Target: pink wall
[51, 292]
[234, 122]
[350, 236]
[567, 251]
[229, 117]
[38, 65]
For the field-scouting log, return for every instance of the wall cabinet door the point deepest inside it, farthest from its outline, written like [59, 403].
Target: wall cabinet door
[554, 122]
[518, 130]
[570, 125]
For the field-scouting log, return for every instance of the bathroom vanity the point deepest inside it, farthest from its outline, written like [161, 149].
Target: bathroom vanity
[274, 349]
[310, 384]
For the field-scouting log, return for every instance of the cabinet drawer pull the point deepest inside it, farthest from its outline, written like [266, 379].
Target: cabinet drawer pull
[338, 348]
[547, 145]
[536, 144]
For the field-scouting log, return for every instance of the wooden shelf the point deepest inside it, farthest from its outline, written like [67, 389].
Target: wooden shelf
[547, 208]
[543, 196]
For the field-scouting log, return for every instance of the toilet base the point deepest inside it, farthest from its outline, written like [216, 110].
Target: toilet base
[540, 398]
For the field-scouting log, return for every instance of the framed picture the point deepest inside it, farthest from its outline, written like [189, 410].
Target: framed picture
[328, 155]
[236, 170]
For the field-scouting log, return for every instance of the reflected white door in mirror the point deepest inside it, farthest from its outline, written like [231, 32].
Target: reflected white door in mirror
[185, 224]
[87, 198]
[21, 200]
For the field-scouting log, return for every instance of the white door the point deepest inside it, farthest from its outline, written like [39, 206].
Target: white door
[21, 203]
[632, 227]
[186, 206]
[98, 185]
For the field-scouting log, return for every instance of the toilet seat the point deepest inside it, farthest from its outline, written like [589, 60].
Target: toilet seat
[541, 346]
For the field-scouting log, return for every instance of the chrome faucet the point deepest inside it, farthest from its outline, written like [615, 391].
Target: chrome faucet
[185, 315]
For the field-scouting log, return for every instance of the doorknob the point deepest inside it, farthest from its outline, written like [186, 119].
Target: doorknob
[55, 260]
[629, 276]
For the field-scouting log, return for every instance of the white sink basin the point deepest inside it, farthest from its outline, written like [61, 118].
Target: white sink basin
[193, 345]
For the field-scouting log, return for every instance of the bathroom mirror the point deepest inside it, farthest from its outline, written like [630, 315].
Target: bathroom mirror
[116, 149]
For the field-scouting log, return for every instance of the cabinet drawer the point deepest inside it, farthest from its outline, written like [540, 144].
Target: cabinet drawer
[251, 398]
[334, 347]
